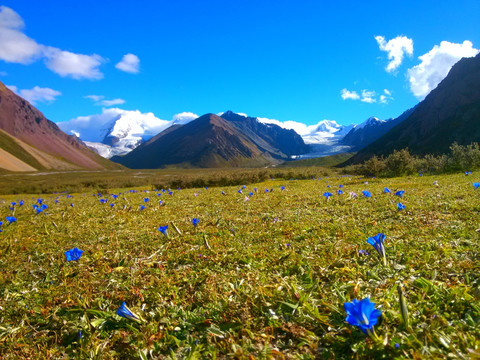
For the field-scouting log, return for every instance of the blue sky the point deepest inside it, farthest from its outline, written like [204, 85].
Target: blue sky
[282, 60]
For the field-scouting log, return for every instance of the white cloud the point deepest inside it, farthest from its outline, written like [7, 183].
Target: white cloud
[385, 97]
[101, 101]
[184, 117]
[396, 49]
[130, 63]
[77, 66]
[112, 102]
[36, 94]
[436, 64]
[16, 47]
[349, 95]
[130, 125]
[368, 96]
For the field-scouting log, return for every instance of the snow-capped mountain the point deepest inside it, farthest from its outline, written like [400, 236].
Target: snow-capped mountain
[117, 131]
[370, 130]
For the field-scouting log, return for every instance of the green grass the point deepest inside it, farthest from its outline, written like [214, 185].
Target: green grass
[263, 278]
[11, 146]
[327, 161]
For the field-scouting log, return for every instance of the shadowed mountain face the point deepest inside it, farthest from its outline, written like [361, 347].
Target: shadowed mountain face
[27, 128]
[209, 141]
[450, 113]
[277, 141]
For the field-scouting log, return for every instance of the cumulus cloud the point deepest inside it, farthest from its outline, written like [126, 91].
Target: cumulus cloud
[368, 96]
[100, 100]
[396, 49]
[16, 47]
[77, 66]
[118, 122]
[130, 63]
[36, 94]
[184, 117]
[435, 65]
[349, 95]
[385, 97]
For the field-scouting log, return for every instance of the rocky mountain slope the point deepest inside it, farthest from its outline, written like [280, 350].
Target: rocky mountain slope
[208, 141]
[451, 112]
[28, 136]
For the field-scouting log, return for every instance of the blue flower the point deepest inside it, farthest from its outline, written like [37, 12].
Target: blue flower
[125, 312]
[11, 219]
[103, 201]
[223, 193]
[327, 194]
[39, 201]
[250, 194]
[282, 188]
[146, 200]
[377, 243]
[163, 230]
[387, 190]
[400, 206]
[195, 222]
[339, 192]
[476, 185]
[340, 186]
[400, 193]
[244, 186]
[142, 207]
[366, 193]
[112, 205]
[362, 314]
[73, 254]
[239, 191]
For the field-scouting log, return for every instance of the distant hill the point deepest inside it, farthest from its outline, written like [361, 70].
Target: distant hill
[370, 130]
[279, 142]
[450, 113]
[28, 141]
[208, 141]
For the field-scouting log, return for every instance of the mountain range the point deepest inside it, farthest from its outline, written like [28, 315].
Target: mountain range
[29, 141]
[450, 113]
[231, 140]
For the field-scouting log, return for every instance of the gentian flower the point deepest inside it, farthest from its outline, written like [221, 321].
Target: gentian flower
[363, 315]
[244, 186]
[146, 200]
[339, 192]
[239, 191]
[125, 312]
[11, 219]
[400, 206]
[340, 186]
[250, 194]
[103, 201]
[282, 188]
[39, 201]
[112, 205]
[387, 190]
[21, 202]
[223, 193]
[73, 254]
[366, 193]
[163, 230]
[476, 185]
[142, 207]
[400, 193]
[195, 222]
[327, 194]
[377, 243]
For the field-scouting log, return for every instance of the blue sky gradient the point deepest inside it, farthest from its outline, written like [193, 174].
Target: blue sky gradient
[278, 59]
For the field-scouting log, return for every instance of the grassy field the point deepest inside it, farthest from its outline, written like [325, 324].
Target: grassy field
[263, 275]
